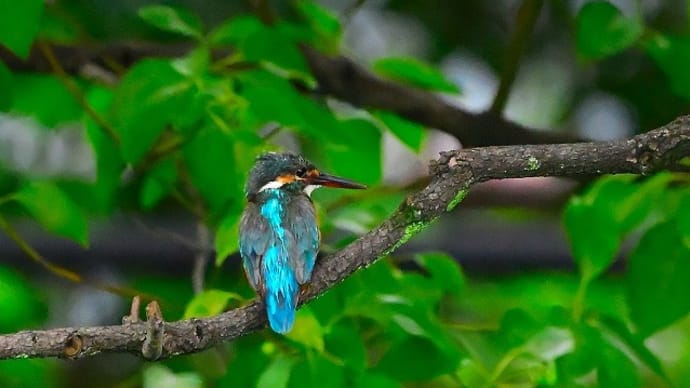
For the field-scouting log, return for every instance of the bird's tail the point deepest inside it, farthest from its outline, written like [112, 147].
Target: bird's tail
[281, 294]
[280, 309]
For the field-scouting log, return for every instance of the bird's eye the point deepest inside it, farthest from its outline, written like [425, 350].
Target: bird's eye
[301, 172]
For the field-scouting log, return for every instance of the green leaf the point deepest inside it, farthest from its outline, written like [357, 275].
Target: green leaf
[20, 304]
[616, 369]
[602, 30]
[362, 215]
[550, 343]
[209, 303]
[317, 371]
[58, 29]
[471, 374]
[250, 359]
[324, 22]
[627, 202]
[376, 380]
[194, 64]
[273, 99]
[597, 352]
[44, 98]
[531, 348]
[585, 358]
[399, 364]
[672, 55]
[109, 163]
[29, 373]
[354, 151]
[345, 342]
[517, 327]
[659, 272]
[158, 183]
[414, 72]
[54, 210]
[307, 330]
[634, 208]
[227, 237]
[160, 92]
[19, 24]
[235, 30]
[593, 236]
[444, 270]
[683, 219]
[172, 19]
[158, 376]
[276, 44]
[634, 342]
[210, 160]
[409, 133]
[277, 374]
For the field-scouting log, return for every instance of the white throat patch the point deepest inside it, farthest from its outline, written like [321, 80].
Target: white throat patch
[277, 184]
[271, 185]
[310, 189]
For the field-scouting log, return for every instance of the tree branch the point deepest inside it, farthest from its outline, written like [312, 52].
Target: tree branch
[452, 175]
[347, 81]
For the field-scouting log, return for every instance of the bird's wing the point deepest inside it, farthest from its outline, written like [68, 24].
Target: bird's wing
[255, 237]
[305, 232]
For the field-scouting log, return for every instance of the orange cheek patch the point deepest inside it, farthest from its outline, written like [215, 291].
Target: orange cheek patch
[286, 179]
[313, 172]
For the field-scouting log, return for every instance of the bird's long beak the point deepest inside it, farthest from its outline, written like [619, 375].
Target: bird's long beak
[333, 181]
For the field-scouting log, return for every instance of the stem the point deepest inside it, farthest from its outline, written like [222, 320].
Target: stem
[526, 19]
[63, 272]
[201, 257]
[580, 295]
[502, 365]
[73, 88]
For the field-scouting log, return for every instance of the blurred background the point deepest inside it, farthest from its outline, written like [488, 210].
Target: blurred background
[127, 129]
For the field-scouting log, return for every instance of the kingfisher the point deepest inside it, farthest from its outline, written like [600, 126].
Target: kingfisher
[279, 235]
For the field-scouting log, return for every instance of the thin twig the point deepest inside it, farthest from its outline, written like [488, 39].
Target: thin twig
[350, 11]
[72, 87]
[526, 19]
[201, 256]
[63, 272]
[167, 235]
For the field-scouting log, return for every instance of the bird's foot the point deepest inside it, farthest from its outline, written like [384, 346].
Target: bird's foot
[304, 290]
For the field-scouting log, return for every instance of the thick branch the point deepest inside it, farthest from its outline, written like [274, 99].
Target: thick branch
[345, 80]
[452, 175]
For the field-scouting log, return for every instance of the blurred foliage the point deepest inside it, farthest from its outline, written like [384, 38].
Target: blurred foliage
[182, 132]
[414, 72]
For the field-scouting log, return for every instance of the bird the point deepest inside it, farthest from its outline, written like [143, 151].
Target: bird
[278, 233]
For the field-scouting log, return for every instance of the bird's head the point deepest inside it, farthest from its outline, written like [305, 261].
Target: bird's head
[291, 172]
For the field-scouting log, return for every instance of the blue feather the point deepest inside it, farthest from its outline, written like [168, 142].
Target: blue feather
[279, 278]
[281, 290]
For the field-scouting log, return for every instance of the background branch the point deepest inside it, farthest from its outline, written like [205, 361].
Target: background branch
[347, 81]
[452, 175]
